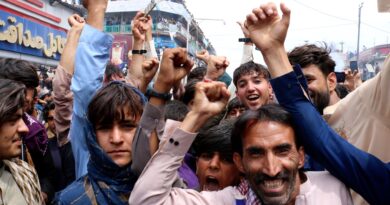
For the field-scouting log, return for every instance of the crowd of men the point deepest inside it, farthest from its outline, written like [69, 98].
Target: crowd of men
[95, 135]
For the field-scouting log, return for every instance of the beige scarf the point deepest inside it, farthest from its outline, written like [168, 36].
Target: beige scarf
[27, 180]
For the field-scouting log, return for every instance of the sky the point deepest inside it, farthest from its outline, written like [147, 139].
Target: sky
[312, 21]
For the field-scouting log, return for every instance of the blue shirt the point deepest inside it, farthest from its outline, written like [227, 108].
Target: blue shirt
[92, 55]
[362, 172]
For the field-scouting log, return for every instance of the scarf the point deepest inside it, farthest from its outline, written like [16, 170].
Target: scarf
[36, 139]
[26, 179]
[111, 184]
[245, 190]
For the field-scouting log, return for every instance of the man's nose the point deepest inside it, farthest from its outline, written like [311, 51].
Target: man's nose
[272, 165]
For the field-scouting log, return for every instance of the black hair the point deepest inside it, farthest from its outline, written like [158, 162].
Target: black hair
[20, 71]
[110, 102]
[111, 70]
[175, 110]
[12, 98]
[46, 109]
[215, 139]
[249, 68]
[234, 103]
[311, 54]
[341, 91]
[268, 112]
[189, 92]
[197, 73]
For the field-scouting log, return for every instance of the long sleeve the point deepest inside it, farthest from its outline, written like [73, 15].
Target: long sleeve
[363, 172]
[247, 54]
[152, 118]
[363, 116]
[91, 58]
[154, 186]
[63, 100]
[151, 50]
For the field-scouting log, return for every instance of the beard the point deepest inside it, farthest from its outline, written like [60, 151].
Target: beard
[289, 177]
[320, 99]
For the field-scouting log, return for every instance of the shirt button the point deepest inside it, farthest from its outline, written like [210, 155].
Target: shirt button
[171, 140]
[176, 143]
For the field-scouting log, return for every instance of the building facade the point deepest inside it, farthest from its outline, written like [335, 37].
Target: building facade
[34, 30]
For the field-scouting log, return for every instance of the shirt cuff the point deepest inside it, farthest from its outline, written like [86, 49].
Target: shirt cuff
[151, 117]
[287, 89]
[178, 143]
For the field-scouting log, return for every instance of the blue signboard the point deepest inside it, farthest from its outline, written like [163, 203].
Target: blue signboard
[21, 35]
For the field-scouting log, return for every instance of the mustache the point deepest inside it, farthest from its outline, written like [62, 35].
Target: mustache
[284, 175]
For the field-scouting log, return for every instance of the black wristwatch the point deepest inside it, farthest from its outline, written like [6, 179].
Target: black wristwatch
[245, 40]
[140, 52]
[150, 92]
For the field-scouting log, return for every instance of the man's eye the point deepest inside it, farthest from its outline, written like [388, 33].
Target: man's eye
[206, 156]
[257, 81]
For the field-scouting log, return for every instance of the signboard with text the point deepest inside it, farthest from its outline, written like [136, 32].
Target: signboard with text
[31, 37]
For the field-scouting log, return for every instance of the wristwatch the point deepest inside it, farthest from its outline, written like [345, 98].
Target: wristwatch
[150, 92]
[138, 52]
[245, 40]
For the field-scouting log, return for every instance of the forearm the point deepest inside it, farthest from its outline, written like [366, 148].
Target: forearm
[134, 73]
[69, 53]
[277, 61]
[96, 16]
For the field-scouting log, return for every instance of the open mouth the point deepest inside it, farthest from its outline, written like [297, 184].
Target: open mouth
[273, 187]
[212, 184]
[253, 97]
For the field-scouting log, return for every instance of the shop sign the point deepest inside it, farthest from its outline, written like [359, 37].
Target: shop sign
[21, 35]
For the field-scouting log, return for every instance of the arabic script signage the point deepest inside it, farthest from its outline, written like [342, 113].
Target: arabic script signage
[21, 35]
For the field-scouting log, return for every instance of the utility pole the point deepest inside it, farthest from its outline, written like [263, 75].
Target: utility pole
[342, 46]
[358, 40]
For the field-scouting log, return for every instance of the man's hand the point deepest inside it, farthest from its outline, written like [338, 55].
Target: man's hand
[175, 64]
[268, 32]
[149, 69]
[76, 22]
[216, 66]
[245, 31]
[210, 99]
[141, 25]
[203, 55]
[266, 28]
[352, 79]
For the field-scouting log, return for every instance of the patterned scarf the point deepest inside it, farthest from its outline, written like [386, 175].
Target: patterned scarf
[26, 179]
[245, 190]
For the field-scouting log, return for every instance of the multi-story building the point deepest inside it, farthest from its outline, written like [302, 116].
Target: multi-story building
[173, 26]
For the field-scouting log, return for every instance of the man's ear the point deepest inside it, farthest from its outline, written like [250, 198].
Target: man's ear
[237, 159]
[331, 80]
[301, 156]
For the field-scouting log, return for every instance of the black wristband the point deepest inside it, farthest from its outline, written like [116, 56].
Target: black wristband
[138, 52]
[150, 92]
[245, 40]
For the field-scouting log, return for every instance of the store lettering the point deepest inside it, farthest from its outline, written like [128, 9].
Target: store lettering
[16, 33]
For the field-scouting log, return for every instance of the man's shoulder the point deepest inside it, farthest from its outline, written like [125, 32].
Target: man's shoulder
[324, 180]
[74, 193]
